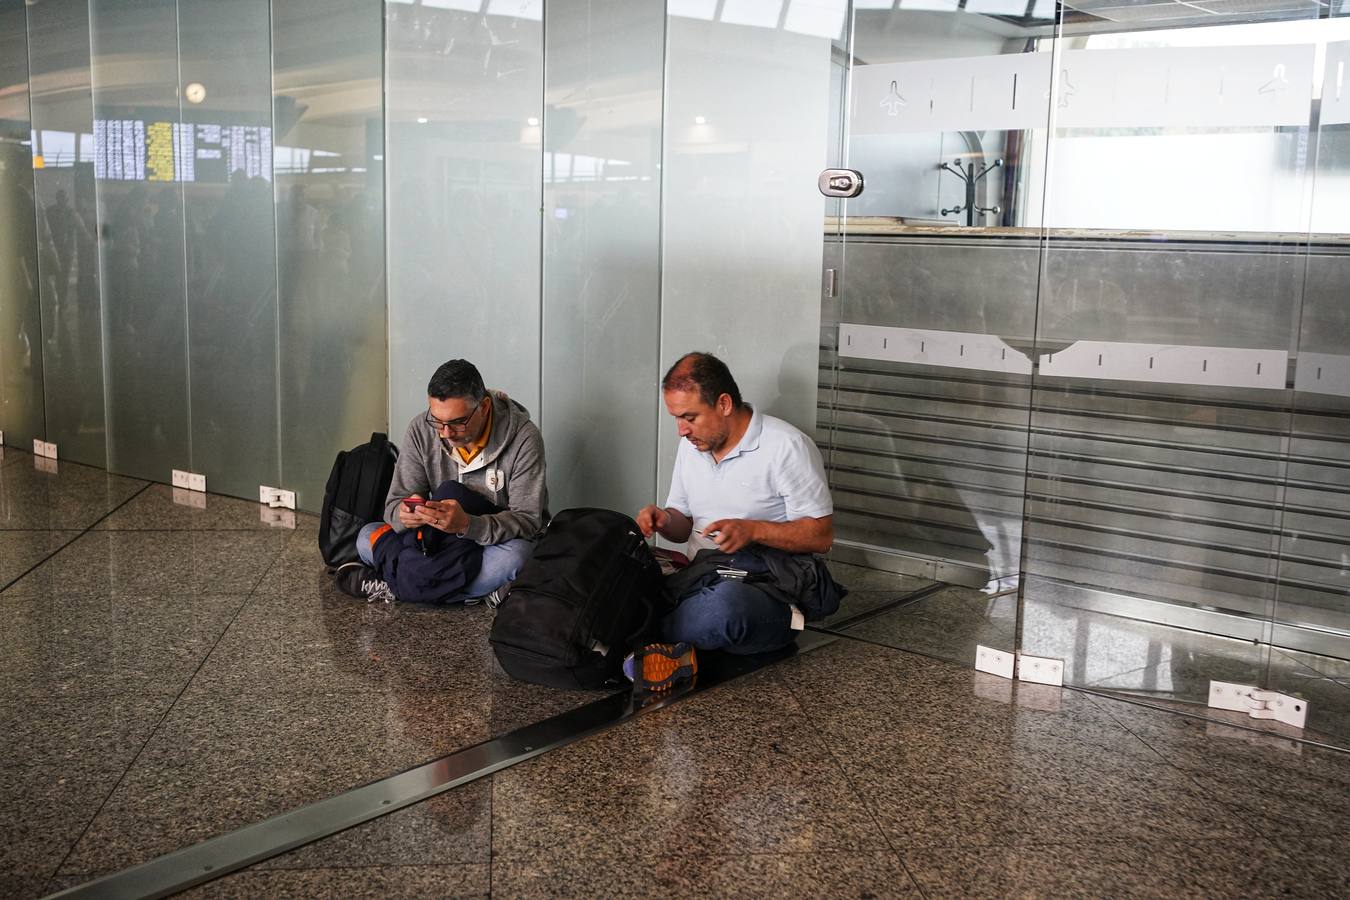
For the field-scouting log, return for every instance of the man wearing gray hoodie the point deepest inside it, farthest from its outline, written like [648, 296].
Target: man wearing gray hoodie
[485, 441]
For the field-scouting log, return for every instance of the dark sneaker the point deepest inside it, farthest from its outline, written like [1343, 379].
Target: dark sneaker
[495, 598]
[659, 667]
[360, 580]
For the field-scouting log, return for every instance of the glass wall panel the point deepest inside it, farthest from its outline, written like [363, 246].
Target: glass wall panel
[742, 216]
[222, 155]
[329, 169]
[134, 70]
[21, 413]
[1311, 619]
[1178, 189]
[464, 195]
[72, 314]
[602, 145]
[937, 315]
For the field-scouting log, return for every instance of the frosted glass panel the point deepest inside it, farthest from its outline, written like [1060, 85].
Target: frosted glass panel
[329, 174]
[1313, 594]
[224, 159]
[1159, 453]
[135, 86]
[601, 250]
[20, 325]
[63, 123]
[743, 217]
[464, 196]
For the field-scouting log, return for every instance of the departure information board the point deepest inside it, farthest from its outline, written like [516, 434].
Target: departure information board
[136, 150]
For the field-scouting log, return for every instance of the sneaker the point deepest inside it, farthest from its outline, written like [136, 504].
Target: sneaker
[659, 667]
[360, 580]
[495, 598]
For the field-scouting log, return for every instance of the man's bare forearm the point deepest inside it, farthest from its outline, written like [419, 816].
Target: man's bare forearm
[799, 536]
[678, 526]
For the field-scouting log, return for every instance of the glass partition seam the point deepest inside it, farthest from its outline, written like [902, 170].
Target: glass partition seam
[1043, 240]
[388, 224]
[841, 216]
[1281, 498]
[103, 323]
[276, 243]
[661, 254]
[384, 201]
[543, 131]
[32, 174]
[183, 219]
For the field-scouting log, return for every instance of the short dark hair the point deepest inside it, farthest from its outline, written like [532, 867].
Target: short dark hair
[457, 378]
[704, 373]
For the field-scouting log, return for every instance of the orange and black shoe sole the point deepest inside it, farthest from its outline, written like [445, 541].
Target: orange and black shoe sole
[665, 665]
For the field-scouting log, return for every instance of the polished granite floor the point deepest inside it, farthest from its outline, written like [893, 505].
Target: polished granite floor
[168, 673]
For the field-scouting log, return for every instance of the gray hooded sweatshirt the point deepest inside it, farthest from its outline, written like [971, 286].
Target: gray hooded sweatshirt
[509, 471]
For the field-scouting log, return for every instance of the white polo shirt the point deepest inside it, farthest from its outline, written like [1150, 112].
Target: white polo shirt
[775, 474]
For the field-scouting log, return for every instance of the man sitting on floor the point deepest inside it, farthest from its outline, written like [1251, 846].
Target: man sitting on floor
[742, 479]
[473, 439]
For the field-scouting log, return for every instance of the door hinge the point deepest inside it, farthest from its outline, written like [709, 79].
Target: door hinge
[1258, 703]
[828, 284]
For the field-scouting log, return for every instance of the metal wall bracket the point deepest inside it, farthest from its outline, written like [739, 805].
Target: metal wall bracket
[276, 498]
[995, 662]
[1258, 703]
[1040, 669]
[191, 481]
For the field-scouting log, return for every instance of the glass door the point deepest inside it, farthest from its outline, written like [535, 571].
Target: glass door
[1310, 619]
[932, 355]
[1168, 506]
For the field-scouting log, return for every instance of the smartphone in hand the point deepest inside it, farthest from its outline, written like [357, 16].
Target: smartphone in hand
[411, 503]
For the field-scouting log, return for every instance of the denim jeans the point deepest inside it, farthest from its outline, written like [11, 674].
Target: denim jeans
[501, 562]
[731, 616]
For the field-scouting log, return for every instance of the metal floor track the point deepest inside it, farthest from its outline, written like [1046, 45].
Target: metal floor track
[219, 856]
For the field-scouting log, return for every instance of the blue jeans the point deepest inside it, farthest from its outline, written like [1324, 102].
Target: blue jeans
[501, 562]
[732, 616]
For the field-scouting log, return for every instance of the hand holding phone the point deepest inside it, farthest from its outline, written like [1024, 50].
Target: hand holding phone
[411, 503]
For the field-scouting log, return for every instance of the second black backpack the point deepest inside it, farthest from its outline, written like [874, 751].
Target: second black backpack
[590, 593]
[355, 496]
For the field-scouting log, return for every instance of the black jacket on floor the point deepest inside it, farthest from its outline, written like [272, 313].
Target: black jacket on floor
[799, 579]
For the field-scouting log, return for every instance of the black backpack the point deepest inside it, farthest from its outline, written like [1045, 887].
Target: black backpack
[588, 595]
[355, 496]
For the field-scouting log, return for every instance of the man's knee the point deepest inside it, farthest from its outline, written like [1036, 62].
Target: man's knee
[519, 548]
[517, 552]
[503, 562]
[730, 616]
[365, 551]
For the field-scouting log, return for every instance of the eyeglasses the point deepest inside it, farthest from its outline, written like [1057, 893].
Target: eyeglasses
[454, 424]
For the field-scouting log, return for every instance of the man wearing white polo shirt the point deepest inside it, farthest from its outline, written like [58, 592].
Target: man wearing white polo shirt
[741, 478]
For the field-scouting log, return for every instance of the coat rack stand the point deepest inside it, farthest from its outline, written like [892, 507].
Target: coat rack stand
[970, 177]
